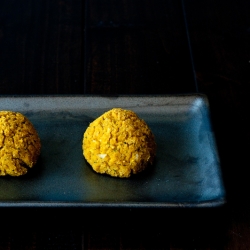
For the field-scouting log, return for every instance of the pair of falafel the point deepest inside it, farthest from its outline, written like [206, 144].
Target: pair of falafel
[118, 143]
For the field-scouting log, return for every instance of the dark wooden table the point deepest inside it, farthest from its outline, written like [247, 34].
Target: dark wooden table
[51, 47]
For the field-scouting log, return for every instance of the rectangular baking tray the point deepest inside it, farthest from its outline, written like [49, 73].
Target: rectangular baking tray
[186, 172]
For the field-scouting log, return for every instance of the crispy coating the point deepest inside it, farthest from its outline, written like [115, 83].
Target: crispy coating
[119, 143]
[19, 144]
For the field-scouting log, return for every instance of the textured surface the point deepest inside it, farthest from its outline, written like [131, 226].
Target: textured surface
[19, 144]
[119, 143]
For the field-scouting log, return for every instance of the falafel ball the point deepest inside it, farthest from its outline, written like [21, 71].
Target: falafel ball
[119, 143]
[19, 144]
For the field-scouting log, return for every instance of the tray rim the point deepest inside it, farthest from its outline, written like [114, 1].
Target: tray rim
[65, 101]
[158, 205]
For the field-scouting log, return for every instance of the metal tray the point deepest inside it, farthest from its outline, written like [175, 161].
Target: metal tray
[186, 172]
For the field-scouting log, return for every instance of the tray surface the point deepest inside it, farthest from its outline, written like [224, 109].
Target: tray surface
[186, 172]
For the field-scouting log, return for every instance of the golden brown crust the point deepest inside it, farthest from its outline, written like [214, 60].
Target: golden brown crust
[119, 143]
[19, 144]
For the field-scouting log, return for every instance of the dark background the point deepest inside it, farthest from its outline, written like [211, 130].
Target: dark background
[111, 47]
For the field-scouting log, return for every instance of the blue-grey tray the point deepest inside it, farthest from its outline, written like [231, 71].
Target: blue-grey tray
[186, 172]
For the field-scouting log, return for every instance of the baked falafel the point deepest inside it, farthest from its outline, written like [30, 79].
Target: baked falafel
[20, 144]
[119, 143]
